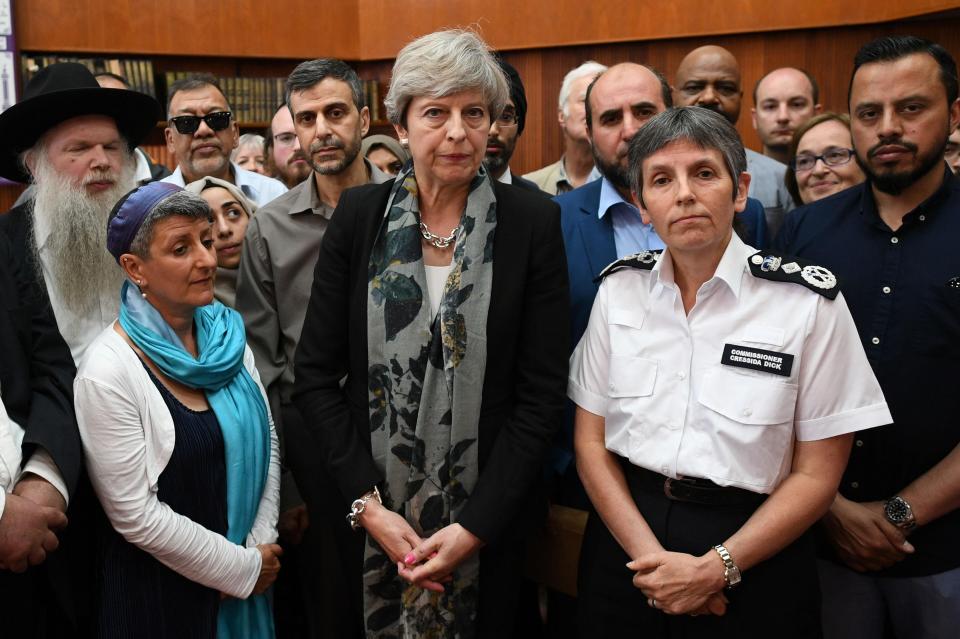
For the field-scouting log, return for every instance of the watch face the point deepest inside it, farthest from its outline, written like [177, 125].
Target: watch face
[897, 510]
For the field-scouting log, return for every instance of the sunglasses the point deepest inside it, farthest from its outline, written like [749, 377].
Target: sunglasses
[188, 124]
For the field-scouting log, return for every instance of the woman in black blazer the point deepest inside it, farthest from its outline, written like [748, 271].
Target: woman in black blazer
[432, 365]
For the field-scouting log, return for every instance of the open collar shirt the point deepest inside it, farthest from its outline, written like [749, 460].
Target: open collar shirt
[259, 189]
[630, 234]
[655, 373]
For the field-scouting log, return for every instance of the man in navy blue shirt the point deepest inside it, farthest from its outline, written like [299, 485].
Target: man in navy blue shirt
[894, 527]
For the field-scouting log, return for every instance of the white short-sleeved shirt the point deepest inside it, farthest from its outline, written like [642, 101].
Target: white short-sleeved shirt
[655, 373]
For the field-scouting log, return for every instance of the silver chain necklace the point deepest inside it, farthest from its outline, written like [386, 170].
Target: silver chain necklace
[436, 240]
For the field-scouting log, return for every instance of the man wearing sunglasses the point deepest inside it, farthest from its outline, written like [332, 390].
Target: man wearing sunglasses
[202, 133]
[505, 130]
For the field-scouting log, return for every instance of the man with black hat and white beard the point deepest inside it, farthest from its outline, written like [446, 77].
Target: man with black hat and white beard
[506, 130]
[74, 140]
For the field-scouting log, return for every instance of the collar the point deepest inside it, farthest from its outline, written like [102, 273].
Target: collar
[609, 196]
[562, 172]
[507, 177]
[308, 200]
[730, 270]
[142, 173]
[928, 208]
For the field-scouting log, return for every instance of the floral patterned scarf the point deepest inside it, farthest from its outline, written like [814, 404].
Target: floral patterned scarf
[425, 381]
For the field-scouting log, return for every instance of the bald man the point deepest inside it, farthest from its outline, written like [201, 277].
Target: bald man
[784, 100]
[709, 77]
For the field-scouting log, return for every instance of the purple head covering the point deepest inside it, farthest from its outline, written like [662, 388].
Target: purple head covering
[129, 213]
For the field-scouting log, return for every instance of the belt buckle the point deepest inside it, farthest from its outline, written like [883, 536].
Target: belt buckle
[667, 488]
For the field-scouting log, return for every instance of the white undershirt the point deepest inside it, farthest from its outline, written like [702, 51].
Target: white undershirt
[436, 279]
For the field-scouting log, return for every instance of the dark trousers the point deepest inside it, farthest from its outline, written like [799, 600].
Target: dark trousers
[779, 597]
[328, 560]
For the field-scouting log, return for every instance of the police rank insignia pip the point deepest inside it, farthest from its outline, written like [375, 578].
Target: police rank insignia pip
[781, 268]
[644, 260]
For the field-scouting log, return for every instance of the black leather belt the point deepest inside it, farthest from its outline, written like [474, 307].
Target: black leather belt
[691, 489]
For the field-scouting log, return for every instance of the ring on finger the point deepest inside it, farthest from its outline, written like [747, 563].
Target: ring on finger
[652, 602]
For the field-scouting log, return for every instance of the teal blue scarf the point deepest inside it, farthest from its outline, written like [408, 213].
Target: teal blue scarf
[238, 404]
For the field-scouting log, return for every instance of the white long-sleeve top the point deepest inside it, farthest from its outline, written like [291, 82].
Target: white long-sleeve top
[128, 436]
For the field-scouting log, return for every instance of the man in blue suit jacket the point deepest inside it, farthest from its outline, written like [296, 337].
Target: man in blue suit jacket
[599, 222]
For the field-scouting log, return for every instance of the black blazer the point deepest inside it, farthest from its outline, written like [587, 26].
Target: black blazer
[36, 369]
[36, 383]
[526, 375]
[524, 183]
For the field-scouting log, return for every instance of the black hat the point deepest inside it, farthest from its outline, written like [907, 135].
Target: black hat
[517, 95]
[62, 91]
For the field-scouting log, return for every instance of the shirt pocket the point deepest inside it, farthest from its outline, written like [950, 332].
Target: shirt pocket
[763, 334]
[631, 376]
[750, 422]
[939, 322]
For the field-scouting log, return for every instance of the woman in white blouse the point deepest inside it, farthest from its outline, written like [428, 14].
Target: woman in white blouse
[178, 438]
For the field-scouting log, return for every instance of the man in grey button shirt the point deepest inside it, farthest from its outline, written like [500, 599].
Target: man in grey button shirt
[709, 77]
[326, 100]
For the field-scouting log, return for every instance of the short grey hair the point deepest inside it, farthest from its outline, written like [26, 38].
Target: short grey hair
[588, 68]
[181, 203]
[701, 127]
[441, 64]
[312, 72]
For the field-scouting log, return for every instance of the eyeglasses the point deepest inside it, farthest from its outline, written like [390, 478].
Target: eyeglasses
[188, 124]
[831, 157]
[285, 139]
[508, 119]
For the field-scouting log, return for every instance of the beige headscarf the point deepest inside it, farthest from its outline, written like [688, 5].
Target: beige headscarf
[225, 285]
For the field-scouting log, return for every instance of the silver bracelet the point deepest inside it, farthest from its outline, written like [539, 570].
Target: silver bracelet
[359, 505]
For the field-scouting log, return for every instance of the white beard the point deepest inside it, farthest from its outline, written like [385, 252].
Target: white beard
[80, 267]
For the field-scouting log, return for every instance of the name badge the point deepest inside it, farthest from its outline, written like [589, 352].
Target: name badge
[757, 359]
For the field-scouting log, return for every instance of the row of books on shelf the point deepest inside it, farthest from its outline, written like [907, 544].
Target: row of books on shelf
[138, 72]
[253, 100]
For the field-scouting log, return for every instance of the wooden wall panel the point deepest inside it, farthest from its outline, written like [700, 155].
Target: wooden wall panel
[530, 24]
[377, 29]
[826, 53]
[235, 28]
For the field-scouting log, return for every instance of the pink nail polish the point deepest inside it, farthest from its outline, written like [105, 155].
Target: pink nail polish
[409, 559]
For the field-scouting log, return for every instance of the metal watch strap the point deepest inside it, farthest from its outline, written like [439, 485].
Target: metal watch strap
[360, 505]
[731, 573]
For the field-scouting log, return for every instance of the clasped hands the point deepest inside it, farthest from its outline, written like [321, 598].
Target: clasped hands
[33, 514]
[681, 584]
[427, 563]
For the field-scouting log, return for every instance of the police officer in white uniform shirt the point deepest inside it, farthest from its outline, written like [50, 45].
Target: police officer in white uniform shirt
[716, 389]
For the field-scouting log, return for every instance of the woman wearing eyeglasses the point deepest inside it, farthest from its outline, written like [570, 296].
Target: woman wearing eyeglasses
[821, 159]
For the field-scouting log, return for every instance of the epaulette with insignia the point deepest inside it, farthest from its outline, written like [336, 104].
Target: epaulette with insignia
[643, 260]
[782, 268]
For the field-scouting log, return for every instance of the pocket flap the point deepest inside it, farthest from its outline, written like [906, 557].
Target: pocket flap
[748, 399]
[631, 376]
[763, 334]
[626, 317]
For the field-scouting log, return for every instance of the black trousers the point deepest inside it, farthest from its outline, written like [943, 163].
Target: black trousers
[779, 597]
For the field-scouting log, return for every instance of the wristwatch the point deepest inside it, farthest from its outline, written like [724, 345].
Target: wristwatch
[899, 513]
[731, 574]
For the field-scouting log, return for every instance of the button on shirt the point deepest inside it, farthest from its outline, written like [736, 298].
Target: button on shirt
[903, 288]
[630, 234]
[655, 374]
